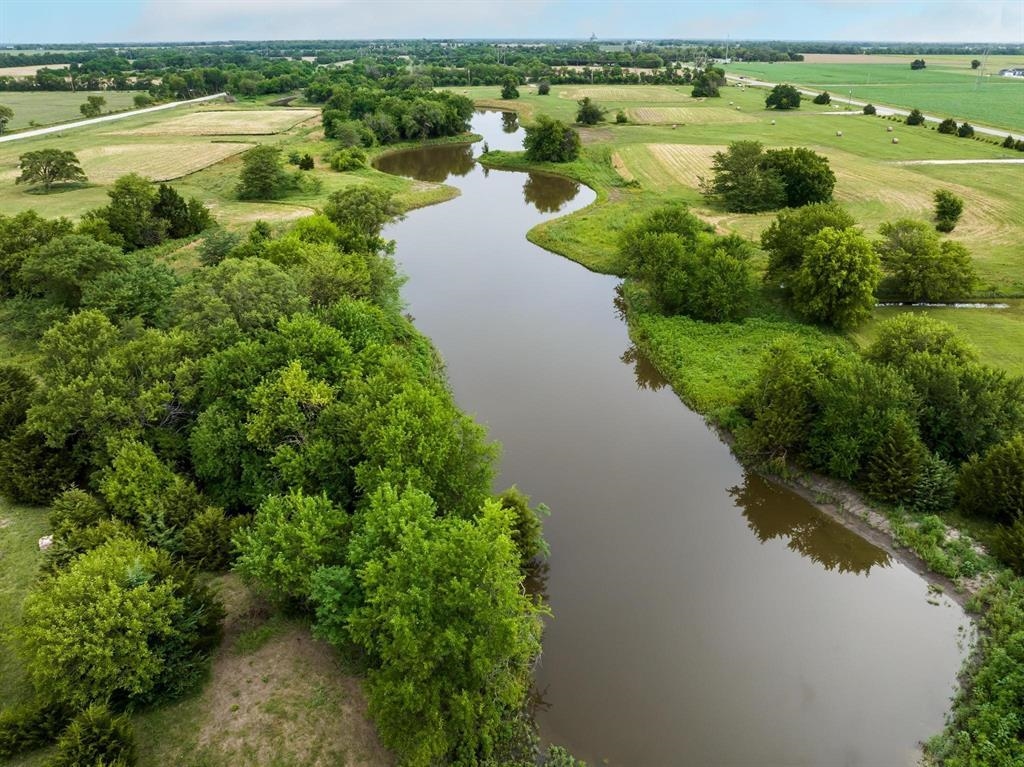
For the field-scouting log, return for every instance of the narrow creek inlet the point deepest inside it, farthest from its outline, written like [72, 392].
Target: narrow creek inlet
[702, 616]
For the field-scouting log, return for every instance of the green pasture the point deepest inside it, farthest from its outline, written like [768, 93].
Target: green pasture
[946, 91]
[38, 108]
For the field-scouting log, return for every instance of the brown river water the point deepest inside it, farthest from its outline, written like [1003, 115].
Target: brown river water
[702, 616]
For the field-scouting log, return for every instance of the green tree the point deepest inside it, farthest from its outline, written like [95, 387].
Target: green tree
[741, 182]
[49, 166]
[262, 177]
[925, 268]
[140, 629]
[965, 131]
[948, 209]
[910, 333]
[543, 88]
[975, 63]
[787, 239]
[549, 140]
[835, 284]
[508, 87]
[452, 660]
[917, 64]
[806, 175]
[915, 117]
[993, 485]
[290, 538]
[62, 268]
[823, 98]
[96, 737]
[897, 463]
[93, 106]
[142, 100]
[6, 115]
[947, 126]
[589, 113]
[130, 212]
[869, 109]
[19, 235]
[783, 97]
[360, 213]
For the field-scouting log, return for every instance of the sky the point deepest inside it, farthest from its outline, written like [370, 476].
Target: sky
[74, 21]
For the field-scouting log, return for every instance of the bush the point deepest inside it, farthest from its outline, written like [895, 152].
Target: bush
[508, 87]
[549, 140]
[869, 109]
[526, 531]
[935, 490]
[1007, 544]
[1008, 142]
[96, 738]
[925, 268]
[119, 625]
[16, 388]
[823, 98]
[915, 117]
[913, 333]
[216, 245]
[620, 117]
[896, 464]
[589, 113]
[207, 539]
[948, 209]
[30, 726]
[543, 88]
[306, 162]
[965, 131]
[992, 485]
[947, 126]
[262, 177]
[349, 159]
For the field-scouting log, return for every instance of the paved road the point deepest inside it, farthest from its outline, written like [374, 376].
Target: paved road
[958, 162]
[882, 110]
[104, 118]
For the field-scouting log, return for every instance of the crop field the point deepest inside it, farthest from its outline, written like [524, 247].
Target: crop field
[49, 107]
[624, 93]
[943, 91]
[28, 71]
[234, 122]
[157, 162]
[686, 115]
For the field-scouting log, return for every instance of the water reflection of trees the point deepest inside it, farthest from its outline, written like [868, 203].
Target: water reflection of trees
[773, 512]
[548, 193]
[509, 122]
[434, 163]
[646, 375]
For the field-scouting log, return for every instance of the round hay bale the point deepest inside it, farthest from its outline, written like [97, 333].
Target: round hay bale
[731, 103]
[737, 109]
[895, 140]
[773, 122]
[888, 128]
[839, 133]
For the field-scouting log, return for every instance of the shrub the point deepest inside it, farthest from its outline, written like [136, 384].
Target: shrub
[1007, 543]
[896, 465]
[306, 162]
[948, 209]
[783, 97]
[543, 88]
[16, 388]
[560, 757]
[207, 539]
[947, 126]
[119, 625]
[915, 332]
[97, 738]
[993, 485]
[1008, 142]
[216, 245]
[965, 131]
[925, 268]
[823, 98]
[589, 113]
[526, 531]
[29, 726]
[508, 87]
[915, 117]
[869, 109]
[935, 490]
[262, 177]
[620, 117]
[349, 159]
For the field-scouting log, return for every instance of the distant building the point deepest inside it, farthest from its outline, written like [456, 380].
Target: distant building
[1012, 72]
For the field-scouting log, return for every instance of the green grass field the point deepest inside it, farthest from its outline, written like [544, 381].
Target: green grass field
[947, 91]
[34, 109]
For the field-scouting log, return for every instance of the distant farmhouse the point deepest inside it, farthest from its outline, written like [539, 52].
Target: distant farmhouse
[1012, 72]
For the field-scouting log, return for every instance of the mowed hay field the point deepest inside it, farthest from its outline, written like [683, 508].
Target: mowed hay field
[686, 115]
[49, 107]
[157, 162]
[233, 122]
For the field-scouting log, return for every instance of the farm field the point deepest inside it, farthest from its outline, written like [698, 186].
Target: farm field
[942, 90]
[28, 71]
[653, 164]
[49, 107]
[178, 145]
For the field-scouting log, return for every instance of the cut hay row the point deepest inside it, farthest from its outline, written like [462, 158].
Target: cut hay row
[685, 163]
[158, 162]
[254, 122]
[685, 115]
[620, 167]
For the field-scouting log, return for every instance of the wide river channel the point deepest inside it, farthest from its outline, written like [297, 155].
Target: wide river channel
[702, 616]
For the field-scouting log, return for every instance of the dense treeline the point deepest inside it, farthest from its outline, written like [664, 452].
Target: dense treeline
[275, 410]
